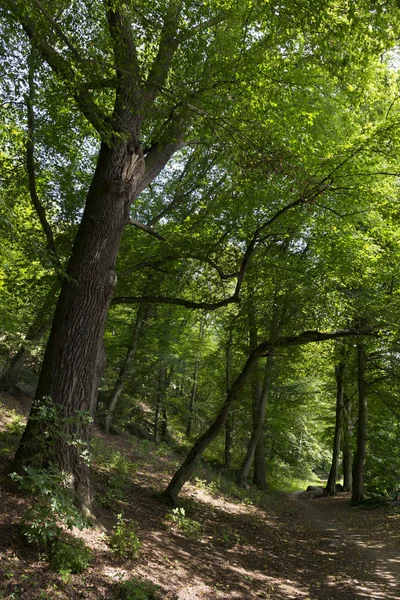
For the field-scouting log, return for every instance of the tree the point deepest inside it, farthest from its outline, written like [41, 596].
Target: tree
[340, 370]
[361, 449]
[143, 313]
[143, 99]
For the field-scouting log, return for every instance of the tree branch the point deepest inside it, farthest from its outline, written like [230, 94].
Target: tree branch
[30, 166]
[59, 65]
[307, 337]
[169, 43]
[59, 31]
[129, 97]
[146, 228]
[176, 301]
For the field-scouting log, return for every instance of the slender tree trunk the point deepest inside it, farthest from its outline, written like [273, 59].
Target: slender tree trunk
[260, 471]
[259, 421]
[330, 489]
[69, 374]
[229, 421]
[36, 331]
[160, 414]
[360, 455]
[193, 392]
[192, 400]
[164, 424]
[347, 449]
[260, 399]
[189, 465]
[126, 369]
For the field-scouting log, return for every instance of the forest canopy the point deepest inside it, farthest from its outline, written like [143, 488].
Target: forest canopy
[200, 232]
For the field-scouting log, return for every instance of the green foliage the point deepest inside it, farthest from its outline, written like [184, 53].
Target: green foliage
[190, 528]
[135, 589]
[52, 506]
[71, 556]
[118, 480]
[124, 541]
[9, 437]
[113, 491]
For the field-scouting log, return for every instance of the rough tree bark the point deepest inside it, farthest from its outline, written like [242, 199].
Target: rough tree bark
[71, 357]
[71, 368]
[340, 368]
[361, 450]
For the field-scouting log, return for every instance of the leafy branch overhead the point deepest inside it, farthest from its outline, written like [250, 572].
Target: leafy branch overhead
[253, 148]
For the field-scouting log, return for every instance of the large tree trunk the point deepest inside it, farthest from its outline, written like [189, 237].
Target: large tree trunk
[69, 374]
[330, 489]
[360, 455]
[126, 369]
[36, 331]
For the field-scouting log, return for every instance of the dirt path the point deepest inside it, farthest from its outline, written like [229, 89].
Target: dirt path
[350, 554]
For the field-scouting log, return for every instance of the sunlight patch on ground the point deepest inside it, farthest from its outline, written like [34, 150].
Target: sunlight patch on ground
[290, 588]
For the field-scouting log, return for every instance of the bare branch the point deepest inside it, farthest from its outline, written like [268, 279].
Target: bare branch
[175, 301]
[146, 228]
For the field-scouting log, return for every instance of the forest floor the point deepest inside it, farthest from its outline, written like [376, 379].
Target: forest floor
[292, 546]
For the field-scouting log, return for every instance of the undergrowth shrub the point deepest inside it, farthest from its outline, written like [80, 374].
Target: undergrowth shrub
[188, 527]
[135, 589]
[120, 471]
[124, 541]
[9, 438]
[71, 556]
[51, 506]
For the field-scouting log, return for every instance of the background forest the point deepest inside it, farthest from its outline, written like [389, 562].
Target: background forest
[214, 188]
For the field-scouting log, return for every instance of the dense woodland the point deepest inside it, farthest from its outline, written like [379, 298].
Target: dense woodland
[199, 213]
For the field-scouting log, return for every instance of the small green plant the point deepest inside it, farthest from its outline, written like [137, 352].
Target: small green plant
[119, 469]
[123, 466]
[71, 556]
[228, 538]
[135, 589]
[189, 527]
[163, 450]
[124, 541]
[14, 427]
[52, 506]
[114, 490]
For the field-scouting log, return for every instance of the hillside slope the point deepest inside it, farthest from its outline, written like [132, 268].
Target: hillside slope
[219, 546]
